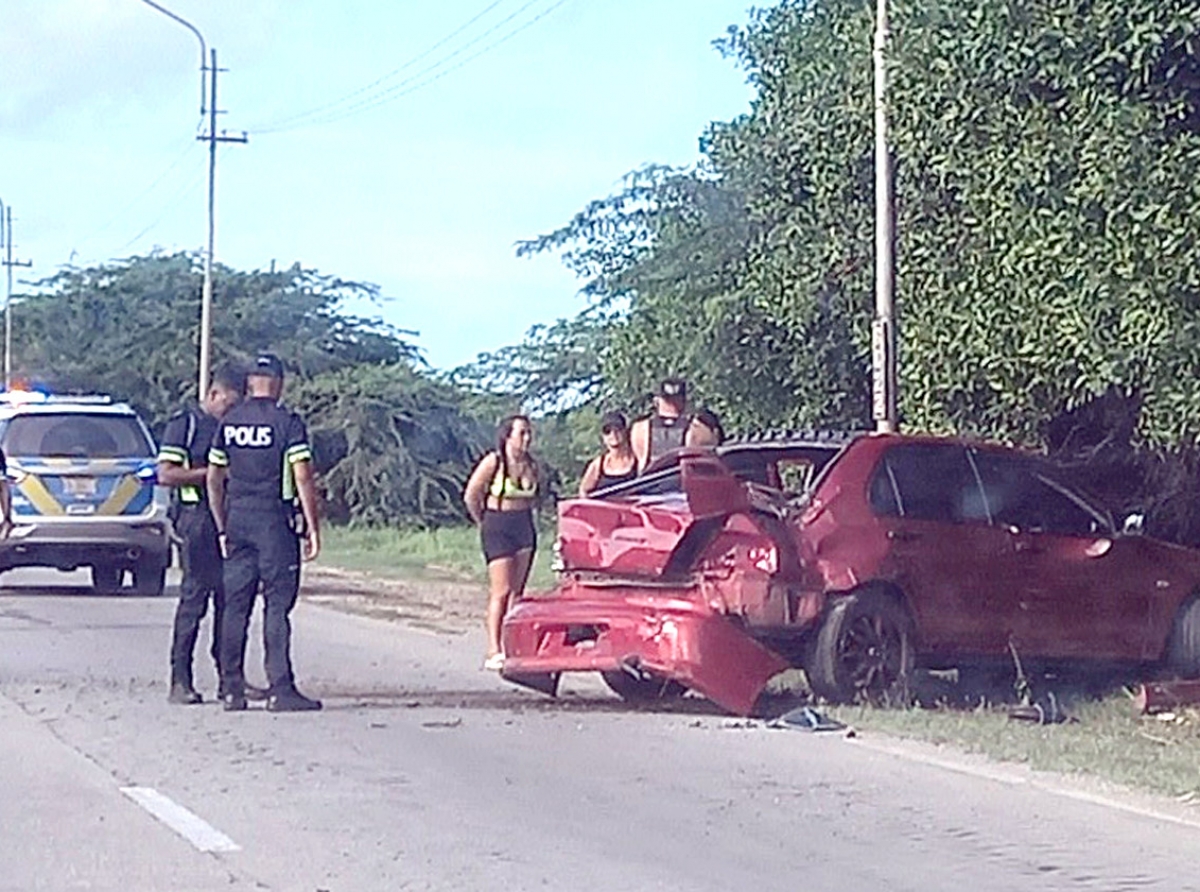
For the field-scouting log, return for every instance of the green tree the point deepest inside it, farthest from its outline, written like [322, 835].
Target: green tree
[393, 443]
[1046, 211]
[131, 328]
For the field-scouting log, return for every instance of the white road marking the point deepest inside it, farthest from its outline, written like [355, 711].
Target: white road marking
[191, 827]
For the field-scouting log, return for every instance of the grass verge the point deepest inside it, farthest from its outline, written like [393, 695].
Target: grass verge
[400, 553]
[1106, 738]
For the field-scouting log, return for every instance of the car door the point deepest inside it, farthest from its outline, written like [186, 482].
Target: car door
[943, 550]
[1083, 591]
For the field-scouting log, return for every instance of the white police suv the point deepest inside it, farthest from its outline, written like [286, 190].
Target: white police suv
[82, 474]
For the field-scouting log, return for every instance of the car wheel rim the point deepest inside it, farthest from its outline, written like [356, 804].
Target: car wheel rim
[871, 656]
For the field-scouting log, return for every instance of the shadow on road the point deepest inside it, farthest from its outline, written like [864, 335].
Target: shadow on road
[80, 591]
[341, 699]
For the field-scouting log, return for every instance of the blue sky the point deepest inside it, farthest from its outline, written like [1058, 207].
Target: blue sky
[424, 194]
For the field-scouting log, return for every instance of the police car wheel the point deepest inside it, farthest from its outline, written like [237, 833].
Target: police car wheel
[107, 578]
[149, 578]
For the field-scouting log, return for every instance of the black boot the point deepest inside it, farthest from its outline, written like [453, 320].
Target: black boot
[183, 694]
[292, 700]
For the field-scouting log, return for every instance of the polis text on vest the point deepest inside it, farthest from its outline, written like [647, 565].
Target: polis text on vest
[251, 435]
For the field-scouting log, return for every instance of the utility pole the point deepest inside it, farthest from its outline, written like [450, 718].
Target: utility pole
[6, 237]
[207, 292]
[883, 327]
[212, 138]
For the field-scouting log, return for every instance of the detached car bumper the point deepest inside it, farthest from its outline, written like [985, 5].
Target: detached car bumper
[72, 544]
[611, 628]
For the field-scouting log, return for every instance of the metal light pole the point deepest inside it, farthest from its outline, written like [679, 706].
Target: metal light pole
[6, 241]
[212, 138]
[883, 327]
[8, 264]
[206, 291]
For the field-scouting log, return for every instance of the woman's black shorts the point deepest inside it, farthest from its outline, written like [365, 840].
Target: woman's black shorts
[504, 533]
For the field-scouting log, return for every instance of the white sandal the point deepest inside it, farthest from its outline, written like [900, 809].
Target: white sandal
[494, 663]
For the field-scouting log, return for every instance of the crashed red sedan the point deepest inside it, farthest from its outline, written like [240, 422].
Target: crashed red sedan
[856, 557]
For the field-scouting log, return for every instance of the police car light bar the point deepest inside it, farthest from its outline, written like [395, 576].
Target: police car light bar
[21, 397]
[88, 399]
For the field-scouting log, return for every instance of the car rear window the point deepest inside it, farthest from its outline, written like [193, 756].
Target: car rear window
[75, 435]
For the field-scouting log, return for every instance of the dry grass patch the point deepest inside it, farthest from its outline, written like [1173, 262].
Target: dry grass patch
[1106, 738]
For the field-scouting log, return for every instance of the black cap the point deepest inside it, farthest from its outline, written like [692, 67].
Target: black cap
[613, 421]
[267, 364]
[673, 389]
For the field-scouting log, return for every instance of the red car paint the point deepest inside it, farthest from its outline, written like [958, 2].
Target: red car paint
[708, 573]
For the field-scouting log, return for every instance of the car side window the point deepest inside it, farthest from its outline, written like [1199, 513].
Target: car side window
[1064, 515]
[927, 481]
[1019, 496]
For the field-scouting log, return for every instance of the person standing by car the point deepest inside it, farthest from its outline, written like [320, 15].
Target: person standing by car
[6, 521]
[183, 466]
[500, 496]
[669, 426]
[259, 464]
[617, 464]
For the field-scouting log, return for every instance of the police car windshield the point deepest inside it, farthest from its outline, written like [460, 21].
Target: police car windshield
[75, 435]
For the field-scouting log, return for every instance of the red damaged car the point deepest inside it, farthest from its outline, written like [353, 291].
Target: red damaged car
[857, 558]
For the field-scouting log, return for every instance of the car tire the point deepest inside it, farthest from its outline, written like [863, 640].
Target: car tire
[863, 651]
[1183, 650]
[642, 687]
[149, 578]
[107, 578]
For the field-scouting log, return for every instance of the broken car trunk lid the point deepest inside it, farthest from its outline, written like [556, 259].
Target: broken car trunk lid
[651, 535]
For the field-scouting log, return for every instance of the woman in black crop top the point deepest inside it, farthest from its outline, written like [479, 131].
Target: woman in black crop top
[617, 463]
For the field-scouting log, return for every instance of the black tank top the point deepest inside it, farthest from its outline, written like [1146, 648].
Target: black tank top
[666, 434]
[606, 479]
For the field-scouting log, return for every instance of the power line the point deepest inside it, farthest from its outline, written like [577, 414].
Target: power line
[169, 205]
[144, 193]
[271, 127]
[413, 83]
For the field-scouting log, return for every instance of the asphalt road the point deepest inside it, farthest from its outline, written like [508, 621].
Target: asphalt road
[424, 772]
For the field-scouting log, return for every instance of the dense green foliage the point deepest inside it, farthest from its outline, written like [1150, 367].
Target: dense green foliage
[1047, 205]
[1046, 156]
[132, 328]
[393, 443]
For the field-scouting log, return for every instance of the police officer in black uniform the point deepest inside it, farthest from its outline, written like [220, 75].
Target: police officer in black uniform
[260, 463]
[182, 465]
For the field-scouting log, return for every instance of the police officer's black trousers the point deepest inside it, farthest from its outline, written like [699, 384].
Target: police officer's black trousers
[200, 556]
[262, 547]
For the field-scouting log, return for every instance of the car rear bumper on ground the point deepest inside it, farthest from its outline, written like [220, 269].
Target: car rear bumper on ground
[664, 634]
[72, 544]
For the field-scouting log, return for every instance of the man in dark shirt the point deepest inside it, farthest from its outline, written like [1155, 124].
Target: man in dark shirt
[182, 465]
[670, 426]
[260, 463]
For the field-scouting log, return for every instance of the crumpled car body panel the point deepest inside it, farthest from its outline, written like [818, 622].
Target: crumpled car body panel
[669, 634]
[668, 586]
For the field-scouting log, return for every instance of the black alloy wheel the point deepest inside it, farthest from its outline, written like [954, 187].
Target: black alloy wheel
[863, 652]
[1183, 648]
